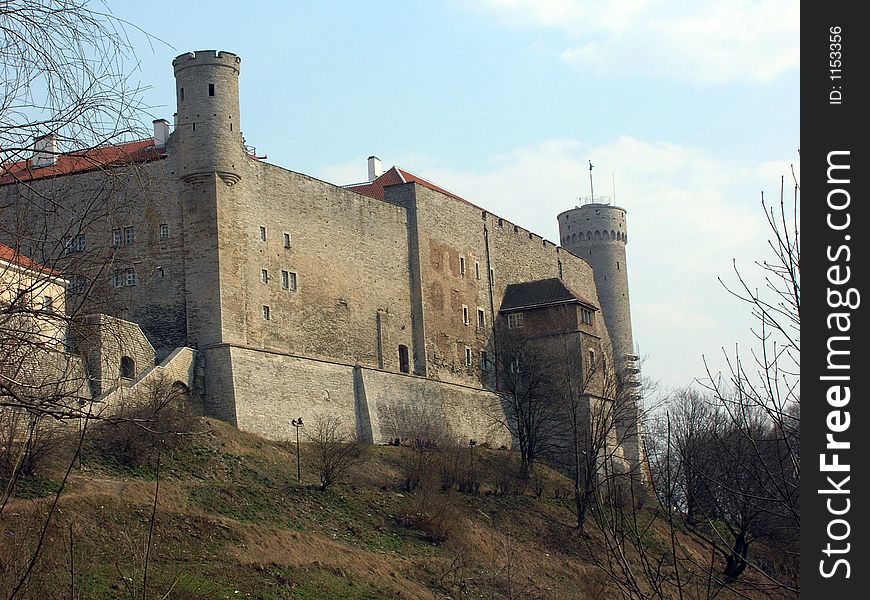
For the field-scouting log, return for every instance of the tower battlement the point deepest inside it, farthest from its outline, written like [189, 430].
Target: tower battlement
[206, 57]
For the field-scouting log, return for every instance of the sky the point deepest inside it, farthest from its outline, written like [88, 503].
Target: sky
[689, 111]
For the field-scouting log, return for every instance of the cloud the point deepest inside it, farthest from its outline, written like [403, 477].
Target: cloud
[689, 216]
[712, 42]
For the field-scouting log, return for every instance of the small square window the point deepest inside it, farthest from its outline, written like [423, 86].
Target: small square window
[48, 304]
[117, 239]
[465, 315]
[287, 240]
[129, 235]
[262, 233]
[264, 275]
[164, 231]
[515, 320]
[267, 313]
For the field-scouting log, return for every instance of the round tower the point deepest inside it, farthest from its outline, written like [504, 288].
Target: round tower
[207, 121]
[597, 232]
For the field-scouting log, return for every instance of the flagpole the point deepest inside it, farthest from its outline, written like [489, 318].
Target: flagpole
[591, 189]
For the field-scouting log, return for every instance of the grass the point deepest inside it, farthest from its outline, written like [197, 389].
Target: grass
[233, 522]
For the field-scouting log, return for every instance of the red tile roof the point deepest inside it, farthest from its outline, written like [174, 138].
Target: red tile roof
[395, 175]
[12, 256]
[87, 160]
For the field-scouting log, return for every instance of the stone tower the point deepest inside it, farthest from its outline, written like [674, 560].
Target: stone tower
[209, 161]
[597, 232]
[207, 129]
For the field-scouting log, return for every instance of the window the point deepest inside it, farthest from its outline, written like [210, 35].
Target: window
[484, 361]
[290, 281]
[476, 270]
[586, 316]
[591, 359]
[262, 233]
[81, 243]
[462, 266]
[130, 276]
[287, 240]
[467, 356]
[160, 272]
[404, 359]
[465, 314]
[48, 304]
[68, 246]
[118, 278]
[78, 285]
[267, 313]
[117, 240]
[491, 275]
[164, 231]
[129, 236]
[264, 275]
[128, 367]
[515, 320]
[211, 89]
[514, 365]
[481, 319]
[181, 94]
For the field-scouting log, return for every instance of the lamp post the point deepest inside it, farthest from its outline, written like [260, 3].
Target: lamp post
[297, 423]
[471, 444]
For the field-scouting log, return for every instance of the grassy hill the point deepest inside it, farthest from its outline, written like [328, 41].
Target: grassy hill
[231, 521]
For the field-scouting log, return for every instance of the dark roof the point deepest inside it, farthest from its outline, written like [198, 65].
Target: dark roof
[544, 292]
[87, 160]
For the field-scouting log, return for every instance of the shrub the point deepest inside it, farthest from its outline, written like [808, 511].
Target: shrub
[153, 422]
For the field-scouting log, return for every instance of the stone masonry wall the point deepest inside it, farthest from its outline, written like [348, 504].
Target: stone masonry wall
[347, 255]
[271, 389]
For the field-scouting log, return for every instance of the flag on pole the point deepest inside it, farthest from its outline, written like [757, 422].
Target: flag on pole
[590, 165]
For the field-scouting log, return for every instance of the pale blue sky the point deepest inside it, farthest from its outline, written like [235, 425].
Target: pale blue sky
[692, 107]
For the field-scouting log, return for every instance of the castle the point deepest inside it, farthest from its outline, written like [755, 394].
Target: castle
[290, 297]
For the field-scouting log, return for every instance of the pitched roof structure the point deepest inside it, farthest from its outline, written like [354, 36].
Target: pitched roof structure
[12, 256]
[540, 293]
[395, 176]
[140, 151]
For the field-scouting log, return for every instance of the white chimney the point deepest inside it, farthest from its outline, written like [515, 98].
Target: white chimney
[375, 169]
[44, 150]
[161, 132]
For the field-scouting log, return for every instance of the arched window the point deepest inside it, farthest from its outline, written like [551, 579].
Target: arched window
[128, 367]
[597, 235]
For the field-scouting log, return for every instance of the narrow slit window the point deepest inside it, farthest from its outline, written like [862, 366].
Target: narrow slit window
[264, 275]
[211, 89]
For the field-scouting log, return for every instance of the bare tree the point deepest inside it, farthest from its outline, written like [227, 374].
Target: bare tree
[533, 415]
[336, 449]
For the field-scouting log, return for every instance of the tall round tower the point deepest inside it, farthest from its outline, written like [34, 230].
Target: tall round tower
[207, 128]
[597, 232]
